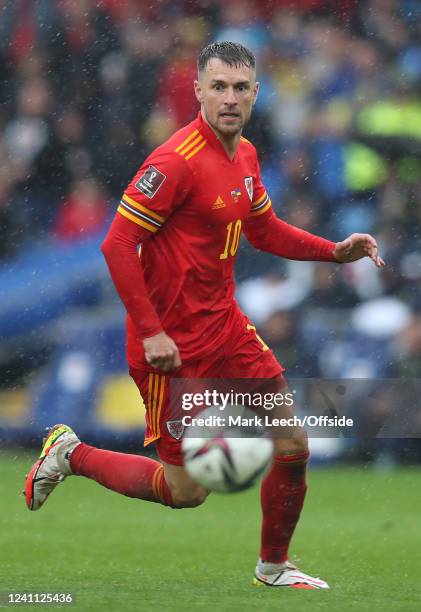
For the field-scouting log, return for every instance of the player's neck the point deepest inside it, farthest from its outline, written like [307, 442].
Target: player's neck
[230, 143]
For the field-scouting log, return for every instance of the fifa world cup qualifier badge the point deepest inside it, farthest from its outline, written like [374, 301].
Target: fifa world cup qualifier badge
[150, 181]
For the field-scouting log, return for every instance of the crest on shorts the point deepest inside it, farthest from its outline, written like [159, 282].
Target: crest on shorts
[249, 186]
[175, 428]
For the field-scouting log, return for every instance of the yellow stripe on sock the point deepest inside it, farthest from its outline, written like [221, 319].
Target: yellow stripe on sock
[156, 481]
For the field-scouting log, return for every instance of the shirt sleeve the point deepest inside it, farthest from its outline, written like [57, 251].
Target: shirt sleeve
[260, 200]
[120, 252]
[266, 232]
[159, 187]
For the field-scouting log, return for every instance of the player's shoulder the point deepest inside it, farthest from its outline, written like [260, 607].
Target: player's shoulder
[248, 153]
[183, 144]
[247, 148]
[247, 144]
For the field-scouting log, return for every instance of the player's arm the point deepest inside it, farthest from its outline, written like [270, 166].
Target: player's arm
[357, 246]
[271, 234]
[120, 251]
[143, 210]
[266, 232]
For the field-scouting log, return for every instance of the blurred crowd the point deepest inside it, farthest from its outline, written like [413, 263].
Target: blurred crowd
[88, 88]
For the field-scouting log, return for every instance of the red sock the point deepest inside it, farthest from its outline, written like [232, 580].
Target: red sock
[282, 496]
[130, 475]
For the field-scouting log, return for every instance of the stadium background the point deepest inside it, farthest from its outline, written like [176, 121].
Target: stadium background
[87, 89]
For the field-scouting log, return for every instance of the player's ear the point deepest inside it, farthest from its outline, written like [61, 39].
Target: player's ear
[255, 91]
[198, 92]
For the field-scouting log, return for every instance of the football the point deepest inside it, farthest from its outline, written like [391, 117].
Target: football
[225, 464]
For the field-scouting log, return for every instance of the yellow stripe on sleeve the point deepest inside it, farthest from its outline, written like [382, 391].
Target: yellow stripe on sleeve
[259, 200]
[261, 210]
[142, 208]
[140, 222]
[187, 140]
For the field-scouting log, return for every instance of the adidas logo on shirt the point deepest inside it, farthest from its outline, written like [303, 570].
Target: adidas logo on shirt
[219, 203]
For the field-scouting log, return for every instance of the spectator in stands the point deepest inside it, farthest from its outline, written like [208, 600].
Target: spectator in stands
[83, 213]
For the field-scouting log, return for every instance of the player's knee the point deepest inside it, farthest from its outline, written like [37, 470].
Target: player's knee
[189, 498]
[296, 443]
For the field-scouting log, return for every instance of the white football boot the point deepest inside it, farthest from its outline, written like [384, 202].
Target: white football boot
[285, 575]
[52, 466]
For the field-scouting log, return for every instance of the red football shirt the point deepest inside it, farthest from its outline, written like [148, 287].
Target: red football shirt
[188, 205]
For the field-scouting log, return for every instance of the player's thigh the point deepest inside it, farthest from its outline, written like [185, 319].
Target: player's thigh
[186, 493]
[288, 436]
[252, 359]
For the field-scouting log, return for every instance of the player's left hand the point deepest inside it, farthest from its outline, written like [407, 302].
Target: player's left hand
[356, 247]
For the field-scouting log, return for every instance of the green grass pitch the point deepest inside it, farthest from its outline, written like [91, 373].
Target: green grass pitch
[360, 530]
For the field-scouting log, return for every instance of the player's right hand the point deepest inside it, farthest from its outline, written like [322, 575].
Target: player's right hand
[161, 352]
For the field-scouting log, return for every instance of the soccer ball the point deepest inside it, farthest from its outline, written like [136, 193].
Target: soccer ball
[226, 464]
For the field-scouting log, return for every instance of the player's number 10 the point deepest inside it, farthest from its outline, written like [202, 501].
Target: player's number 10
[233, 239]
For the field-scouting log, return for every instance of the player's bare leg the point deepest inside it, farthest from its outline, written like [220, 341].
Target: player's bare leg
[185, 492]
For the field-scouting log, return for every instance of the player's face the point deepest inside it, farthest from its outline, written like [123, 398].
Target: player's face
[226, 94]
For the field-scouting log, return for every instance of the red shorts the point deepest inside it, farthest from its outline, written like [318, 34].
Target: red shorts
[245, 356]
